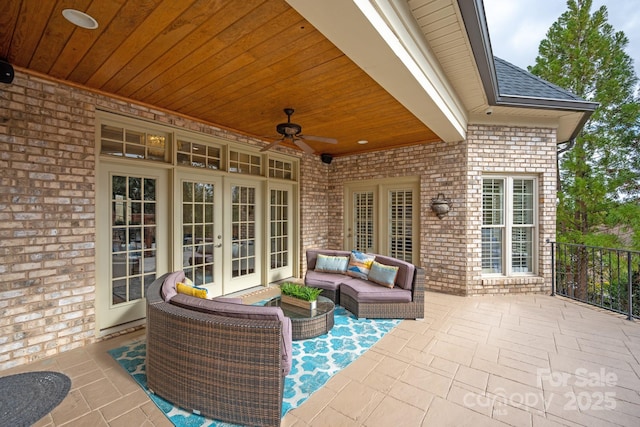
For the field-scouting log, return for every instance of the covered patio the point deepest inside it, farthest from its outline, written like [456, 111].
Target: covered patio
[526, 360]
[420, 107]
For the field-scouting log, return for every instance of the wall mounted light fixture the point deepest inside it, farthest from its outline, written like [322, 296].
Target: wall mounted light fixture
[440, 205]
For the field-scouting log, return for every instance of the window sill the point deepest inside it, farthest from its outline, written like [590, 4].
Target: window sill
[513, 280]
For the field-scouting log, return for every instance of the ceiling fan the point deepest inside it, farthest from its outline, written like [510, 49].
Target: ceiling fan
[293, 132]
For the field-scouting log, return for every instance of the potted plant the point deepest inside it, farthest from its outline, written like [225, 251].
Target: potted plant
[299, 295]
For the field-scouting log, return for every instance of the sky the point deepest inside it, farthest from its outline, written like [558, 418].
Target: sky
[516, 27]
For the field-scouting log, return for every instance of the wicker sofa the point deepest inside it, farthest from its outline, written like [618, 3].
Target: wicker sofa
[221, 359]
[405, 300]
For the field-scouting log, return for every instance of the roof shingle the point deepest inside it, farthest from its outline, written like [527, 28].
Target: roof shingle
[514, 81]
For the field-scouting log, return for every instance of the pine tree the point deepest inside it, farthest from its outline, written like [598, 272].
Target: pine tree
[599, 175]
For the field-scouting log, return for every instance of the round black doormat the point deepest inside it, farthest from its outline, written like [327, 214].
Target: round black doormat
[27, 397]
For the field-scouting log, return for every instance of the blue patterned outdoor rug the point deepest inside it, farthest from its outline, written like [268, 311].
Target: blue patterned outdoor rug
[315, 361]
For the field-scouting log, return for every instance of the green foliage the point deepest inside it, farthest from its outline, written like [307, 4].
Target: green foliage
[614, 296]
[301, 292]
[600, 175]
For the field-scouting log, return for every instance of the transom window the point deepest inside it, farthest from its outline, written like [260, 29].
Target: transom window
[509, 225]
[199, 155]
[244, 163]
[132, 143]
[280, 169]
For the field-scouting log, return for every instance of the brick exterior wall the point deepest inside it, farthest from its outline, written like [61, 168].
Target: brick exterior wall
[47, 207]
[512, 150]
[47, 220]
[442, 169]
[314, 215]
[450, 248]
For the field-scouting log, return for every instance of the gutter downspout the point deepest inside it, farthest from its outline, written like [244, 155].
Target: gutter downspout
[571, 142]
[569, 146]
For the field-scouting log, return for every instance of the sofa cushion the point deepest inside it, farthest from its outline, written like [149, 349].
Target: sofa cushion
[331, 264]
[384, 275]
[241, 311]
[328, 281]
[406, 270]
[169, 288]
[367, 292]
[230, 300]
[359, 264]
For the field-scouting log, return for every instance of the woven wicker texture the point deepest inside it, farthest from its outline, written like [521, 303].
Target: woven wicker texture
[404, 310]
[223, 368]
[306, 323]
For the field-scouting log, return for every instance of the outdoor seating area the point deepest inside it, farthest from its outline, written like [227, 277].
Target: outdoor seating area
[177, 251]
[530, 360]
[243, 352]
[397, 291]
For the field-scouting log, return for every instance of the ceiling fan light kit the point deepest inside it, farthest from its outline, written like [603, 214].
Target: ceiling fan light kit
[293, 132]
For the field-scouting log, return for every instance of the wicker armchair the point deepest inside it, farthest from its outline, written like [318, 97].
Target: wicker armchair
[225, 368]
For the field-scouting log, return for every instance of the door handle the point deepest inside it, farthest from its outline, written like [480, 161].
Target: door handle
[219, 245]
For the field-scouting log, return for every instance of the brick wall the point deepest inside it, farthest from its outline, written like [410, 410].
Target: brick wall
[504, 149]
[441, 167]
[314, 215]
[47, 220]
[450, 248]
[47, 202]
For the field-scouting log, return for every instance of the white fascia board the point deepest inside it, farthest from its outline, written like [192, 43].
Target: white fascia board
[377, 38]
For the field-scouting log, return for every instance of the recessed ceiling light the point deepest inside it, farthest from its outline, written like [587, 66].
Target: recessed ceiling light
[363, 141]
[80, 19]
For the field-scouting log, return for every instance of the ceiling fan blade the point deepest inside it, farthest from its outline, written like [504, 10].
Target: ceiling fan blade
[303, 145]
[273, 144]
[319, 139]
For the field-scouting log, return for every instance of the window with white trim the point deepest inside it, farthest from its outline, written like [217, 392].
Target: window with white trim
[509, 225]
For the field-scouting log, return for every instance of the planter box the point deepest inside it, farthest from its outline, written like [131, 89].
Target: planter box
[286, 299]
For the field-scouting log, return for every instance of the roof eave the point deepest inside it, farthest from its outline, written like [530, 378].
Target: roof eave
[382, 38]
[477, 30]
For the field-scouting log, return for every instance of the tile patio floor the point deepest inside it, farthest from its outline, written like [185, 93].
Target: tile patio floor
[487, 361]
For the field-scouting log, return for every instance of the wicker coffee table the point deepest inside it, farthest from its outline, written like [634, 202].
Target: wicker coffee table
[308, 323]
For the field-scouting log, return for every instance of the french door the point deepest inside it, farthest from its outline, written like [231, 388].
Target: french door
[133, 240]
[281, 217]
[201, 234]
[244, 213]
[221, 232]
[172, 200]
[380, 217]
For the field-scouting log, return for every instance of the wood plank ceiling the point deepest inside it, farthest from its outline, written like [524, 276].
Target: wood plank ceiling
[235, 64]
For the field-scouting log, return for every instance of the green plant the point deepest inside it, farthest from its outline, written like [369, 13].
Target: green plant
[301, 292]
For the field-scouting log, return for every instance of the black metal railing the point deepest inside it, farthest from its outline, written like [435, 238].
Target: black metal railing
[604, 277]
